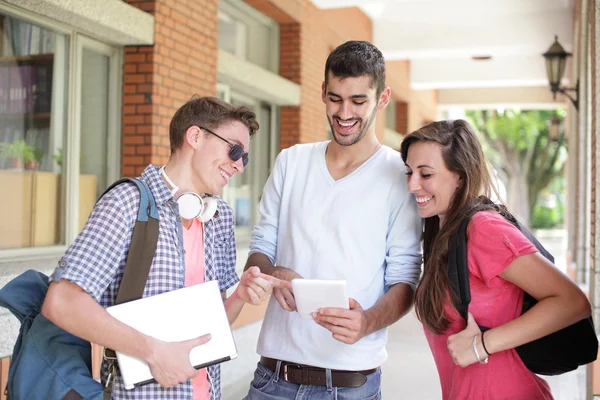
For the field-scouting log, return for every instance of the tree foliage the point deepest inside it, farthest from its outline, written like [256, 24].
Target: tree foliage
[520, 147]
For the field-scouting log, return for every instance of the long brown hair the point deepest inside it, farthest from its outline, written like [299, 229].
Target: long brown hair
[463, 155]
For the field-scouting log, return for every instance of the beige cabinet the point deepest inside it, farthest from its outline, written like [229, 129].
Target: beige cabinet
[30, 208]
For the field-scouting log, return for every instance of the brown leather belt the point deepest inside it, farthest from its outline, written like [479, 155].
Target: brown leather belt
[308, 375]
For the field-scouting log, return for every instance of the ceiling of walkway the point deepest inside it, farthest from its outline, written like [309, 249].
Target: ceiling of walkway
[441, 37]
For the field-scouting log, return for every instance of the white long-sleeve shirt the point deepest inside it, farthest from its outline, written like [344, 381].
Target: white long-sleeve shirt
[363, 228]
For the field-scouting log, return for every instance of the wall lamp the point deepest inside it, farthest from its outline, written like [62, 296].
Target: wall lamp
[556, 60]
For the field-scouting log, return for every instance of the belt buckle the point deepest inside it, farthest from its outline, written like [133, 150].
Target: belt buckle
[286, 369]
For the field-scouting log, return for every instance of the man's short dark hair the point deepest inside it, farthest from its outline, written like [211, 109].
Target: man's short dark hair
[357, 58]
[210, 113]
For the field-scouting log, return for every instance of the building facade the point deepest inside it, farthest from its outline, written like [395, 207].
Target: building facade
[87, 92]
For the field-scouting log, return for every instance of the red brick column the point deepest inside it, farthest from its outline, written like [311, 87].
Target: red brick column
[157, 79]
[290, 68]
[402, 117]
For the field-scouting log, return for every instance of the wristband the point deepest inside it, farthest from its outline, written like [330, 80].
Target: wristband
[483, 344]
[485, 360]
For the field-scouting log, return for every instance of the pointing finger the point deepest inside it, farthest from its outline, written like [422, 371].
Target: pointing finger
[275, 282]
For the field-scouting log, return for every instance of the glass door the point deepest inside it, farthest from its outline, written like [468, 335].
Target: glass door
[94, 146]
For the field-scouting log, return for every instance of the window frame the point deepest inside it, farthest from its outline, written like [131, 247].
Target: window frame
[72, 126]
[249, 14]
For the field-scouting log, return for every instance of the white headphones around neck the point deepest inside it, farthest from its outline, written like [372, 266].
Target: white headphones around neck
[192, 205]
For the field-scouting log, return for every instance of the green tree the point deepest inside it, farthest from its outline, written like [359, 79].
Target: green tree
[522, 149]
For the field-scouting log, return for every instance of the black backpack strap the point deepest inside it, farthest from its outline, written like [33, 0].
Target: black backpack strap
[458, 269]
[535, 242]
[458, 262]
[142, 246]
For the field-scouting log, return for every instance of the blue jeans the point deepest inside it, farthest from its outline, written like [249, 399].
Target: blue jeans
[268, 385]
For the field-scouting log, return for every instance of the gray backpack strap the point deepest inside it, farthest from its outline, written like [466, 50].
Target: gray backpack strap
[142, 246]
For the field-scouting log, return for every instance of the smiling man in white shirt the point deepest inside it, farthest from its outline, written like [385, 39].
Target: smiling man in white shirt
[337, 210]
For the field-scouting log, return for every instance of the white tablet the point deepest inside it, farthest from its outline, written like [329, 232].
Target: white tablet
[313, 294]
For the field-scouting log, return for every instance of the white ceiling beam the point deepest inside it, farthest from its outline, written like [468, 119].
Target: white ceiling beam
[461, 6]
[519, 97]
[440, 37]
[520, 34]
[501, 71]
[459, 12]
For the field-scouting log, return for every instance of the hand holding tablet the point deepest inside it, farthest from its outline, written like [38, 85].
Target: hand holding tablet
[314, 294]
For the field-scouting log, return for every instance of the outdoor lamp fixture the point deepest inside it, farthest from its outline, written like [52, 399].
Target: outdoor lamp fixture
[556, 60]
[554, 128]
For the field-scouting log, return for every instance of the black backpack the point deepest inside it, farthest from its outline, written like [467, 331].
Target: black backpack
[554, 354]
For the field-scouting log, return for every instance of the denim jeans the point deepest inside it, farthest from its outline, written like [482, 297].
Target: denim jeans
[268, 385]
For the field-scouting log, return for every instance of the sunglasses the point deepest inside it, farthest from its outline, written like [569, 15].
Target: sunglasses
[236, 151]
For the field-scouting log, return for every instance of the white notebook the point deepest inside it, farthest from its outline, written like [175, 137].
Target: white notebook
[175, 316]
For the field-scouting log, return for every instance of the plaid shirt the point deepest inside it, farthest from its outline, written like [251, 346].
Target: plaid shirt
[96, 262]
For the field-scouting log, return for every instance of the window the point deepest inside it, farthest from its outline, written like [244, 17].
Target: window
[233, 35]
[253, 37]
[57, 123]
[31, 134]
[249, 35]
[243, 192]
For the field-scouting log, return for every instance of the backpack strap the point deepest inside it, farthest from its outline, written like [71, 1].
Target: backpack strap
[535, 242]
[458, 262]
[458, 269]
[142, 246]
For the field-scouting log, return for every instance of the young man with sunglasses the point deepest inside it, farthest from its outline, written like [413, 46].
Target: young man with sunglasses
[209, 140]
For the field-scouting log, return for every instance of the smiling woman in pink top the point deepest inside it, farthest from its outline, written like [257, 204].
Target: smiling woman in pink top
[447, 172]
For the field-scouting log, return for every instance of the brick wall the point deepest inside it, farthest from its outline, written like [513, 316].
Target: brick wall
[307, 36]
[421, 105]
[402, 117]
[158, 79]
[183, 61]
[290, 68]
[282, 11]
